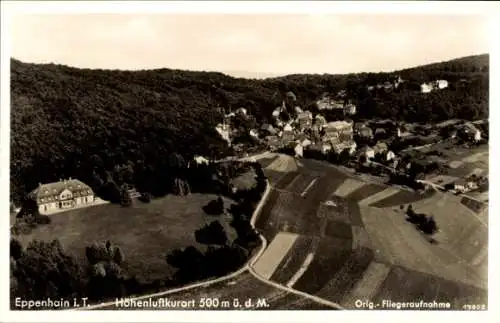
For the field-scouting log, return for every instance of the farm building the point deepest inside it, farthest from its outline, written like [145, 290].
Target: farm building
[65, 194]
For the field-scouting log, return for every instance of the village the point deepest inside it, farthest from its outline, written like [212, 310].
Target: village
[428, 154]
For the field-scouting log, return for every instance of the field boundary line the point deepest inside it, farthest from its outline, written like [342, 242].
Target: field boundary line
[301, 271]
[203, 283]
[288, 289]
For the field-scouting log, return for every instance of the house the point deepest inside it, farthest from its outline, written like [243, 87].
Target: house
[299, 150]
[366, 132]
[380, 147]
[200, 160]
[426, 88]
[367, 152]
[470, 131]
[398, 82]
[304, 119]
[224, 132]
[380, 132]
[388, 85]
[462, 186]
[65, 194]
[287, 137]
[390, 155]
[319, 121]
[287, 128]
[322, 148]
[338, 131]
[241, 111]
[350, 109]
[268, 128]
[339, 147]
[304, 142]
[272, 141]
[358, 126]
[441, 84]
[253, 133]
[342, 93]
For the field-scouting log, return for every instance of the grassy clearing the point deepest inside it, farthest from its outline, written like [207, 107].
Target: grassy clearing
[286, 180]
[283, 163]
[364, 192]
[398, 242]
[146, 233]
[348, 186]
[463, 232]
[245, 181]
[266, 161]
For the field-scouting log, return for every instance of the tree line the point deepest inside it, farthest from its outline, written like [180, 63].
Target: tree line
[83, 123]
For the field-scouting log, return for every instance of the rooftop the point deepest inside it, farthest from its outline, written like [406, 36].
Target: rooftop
[338, 124]
[51, 189]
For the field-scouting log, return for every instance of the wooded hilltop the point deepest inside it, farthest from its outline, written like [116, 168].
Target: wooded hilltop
[91, 124]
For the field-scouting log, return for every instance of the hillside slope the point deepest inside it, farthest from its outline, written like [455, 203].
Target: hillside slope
[68, 122]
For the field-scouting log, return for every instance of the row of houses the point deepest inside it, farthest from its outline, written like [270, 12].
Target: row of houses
[434, 85]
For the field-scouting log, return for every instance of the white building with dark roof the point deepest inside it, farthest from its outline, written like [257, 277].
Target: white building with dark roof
[65, 194]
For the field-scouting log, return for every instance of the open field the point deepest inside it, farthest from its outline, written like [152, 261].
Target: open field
[146, 233]
[403, 284]
[332, 247]
[245, 181]
[346, 248]
[402, 198]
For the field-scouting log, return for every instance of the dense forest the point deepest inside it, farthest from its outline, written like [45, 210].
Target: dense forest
[95, 124]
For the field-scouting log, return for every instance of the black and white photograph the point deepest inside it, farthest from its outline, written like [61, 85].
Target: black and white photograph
[245, 162]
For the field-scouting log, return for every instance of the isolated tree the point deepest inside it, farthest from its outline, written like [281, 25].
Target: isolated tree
[118, 256]
[125, 199]
[16, 249]
[145, 197]
[213, 233]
